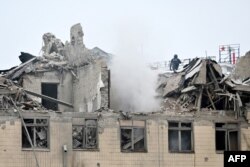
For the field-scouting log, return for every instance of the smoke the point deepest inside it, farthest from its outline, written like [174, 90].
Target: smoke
[133, 83]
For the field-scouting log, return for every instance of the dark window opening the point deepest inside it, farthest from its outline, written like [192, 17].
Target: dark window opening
[85, 136]
[226, 137]
[180, 137]
[49, 89]
[38, 130]
[133, 138]
[220, 140]
[233, 140]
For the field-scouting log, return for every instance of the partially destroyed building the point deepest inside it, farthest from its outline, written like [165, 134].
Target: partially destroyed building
[55, 112]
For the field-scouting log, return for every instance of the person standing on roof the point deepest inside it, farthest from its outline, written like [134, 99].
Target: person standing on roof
[174, 64]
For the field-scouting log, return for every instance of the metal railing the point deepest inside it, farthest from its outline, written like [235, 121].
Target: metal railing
[165, 65]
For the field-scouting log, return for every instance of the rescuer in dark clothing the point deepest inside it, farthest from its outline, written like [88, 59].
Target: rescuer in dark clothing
[174, 64]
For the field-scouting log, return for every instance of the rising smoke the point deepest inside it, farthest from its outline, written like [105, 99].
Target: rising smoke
[133, 83]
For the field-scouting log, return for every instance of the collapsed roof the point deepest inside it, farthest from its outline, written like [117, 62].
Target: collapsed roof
[71, 58]
[12, 94]
[58, 56]
[201, 85]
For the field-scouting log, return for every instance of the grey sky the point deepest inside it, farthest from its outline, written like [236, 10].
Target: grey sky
[185, 27]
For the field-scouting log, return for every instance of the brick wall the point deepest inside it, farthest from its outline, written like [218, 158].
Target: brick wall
[109, 154]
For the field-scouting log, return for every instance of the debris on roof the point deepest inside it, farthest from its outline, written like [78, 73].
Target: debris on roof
[63, 59]
[202, 85]
[9, 91]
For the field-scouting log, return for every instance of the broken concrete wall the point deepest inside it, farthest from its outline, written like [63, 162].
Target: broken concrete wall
[105, 90]
[75, 51]
[33, 82]
[82, 87]
[70, 73]
[242, 70]
[87, 94]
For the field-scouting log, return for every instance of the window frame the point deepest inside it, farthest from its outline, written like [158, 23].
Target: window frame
[227, 129]
[84, 136]
[132, 127]
[34, 124]
[179, 129]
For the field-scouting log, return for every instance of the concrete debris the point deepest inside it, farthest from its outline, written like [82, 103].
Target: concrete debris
[76, 52]
[53, 47]
[126, 115]
[19, 70]
[242, 70]
[81, 73]
[202, 85]
[42, 134]
[9, 90]
[58, 56]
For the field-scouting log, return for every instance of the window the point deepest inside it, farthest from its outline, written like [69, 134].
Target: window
[38, 129]
[84, 135]
[132, 136]
[180, 137]
[49, 89]
[226, 136]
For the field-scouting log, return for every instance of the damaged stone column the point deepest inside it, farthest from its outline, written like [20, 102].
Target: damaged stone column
[76, 35]
[76, 52]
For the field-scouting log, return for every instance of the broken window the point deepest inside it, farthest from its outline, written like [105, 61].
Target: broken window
[133, 137]
[38, 129]
[226, 136]
[49, 89]
[180, 137]
[84, 136]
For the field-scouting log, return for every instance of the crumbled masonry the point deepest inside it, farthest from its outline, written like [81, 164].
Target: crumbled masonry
[72, 63]
[55, 111]
[201, 86]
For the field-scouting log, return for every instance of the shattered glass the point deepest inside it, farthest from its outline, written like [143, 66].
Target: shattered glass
[41, 137]
[38, 134]
[132, 139]
[41, 121]
[91, 139]
[77, 134]
[85, 136]
[126, 139]
[138, 139]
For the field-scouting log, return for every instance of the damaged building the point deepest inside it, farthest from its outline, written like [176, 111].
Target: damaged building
[55, 112]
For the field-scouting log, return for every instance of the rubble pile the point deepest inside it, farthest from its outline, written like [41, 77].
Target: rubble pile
[201, 85]
[58, 56]
[63, 60]
[10, 92]
[36, 64]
